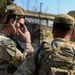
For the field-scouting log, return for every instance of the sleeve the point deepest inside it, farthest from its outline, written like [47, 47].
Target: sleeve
[28, 47]
[11, 54]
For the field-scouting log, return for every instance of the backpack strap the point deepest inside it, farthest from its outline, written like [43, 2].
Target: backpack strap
[36, 58]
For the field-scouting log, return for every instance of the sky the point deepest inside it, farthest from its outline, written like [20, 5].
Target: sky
[48, 6]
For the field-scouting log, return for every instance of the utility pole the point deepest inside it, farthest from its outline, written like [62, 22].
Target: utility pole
[58, 6]
[40, 23]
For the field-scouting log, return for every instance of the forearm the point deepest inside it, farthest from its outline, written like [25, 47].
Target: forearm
[28, 48]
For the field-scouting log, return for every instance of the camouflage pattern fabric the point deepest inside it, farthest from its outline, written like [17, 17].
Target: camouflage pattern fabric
[65, 55]
[65, 19]
[10, 56]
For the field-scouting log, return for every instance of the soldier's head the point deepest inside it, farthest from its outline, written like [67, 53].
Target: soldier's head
[9, 17]
[63, 25]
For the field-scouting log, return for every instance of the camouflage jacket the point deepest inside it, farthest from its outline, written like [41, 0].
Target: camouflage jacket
[10, 56]
[66, 54]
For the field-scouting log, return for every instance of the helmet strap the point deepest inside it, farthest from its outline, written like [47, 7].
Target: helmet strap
[13, 27]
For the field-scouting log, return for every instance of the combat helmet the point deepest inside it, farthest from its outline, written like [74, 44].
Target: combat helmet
[10, 10]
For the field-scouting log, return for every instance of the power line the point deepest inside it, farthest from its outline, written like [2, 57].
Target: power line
[40, 23]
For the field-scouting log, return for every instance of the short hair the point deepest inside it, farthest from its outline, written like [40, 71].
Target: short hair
[63, 28]
[9, 17]
[12, 16]
[19, 17]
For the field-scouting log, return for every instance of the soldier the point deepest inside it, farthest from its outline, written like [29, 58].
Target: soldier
[57, 58]
[12, 20]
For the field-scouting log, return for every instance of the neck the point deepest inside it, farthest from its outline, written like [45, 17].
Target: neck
[64, 37]
[7, 29]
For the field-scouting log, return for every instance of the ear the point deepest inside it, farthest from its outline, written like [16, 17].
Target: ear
[73, 32]
[11, 21]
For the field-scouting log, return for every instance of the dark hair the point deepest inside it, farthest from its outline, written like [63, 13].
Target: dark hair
[8, 18]
[19, 17]
[14, 17]
[63, 28]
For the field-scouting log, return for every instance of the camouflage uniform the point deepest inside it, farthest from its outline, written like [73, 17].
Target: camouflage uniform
[10, 56]
[61, 62]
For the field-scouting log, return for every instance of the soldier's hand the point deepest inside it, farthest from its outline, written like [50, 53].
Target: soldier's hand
[25, 35]
[30, 51]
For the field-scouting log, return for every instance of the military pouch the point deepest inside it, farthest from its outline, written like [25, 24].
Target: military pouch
[58, 71]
